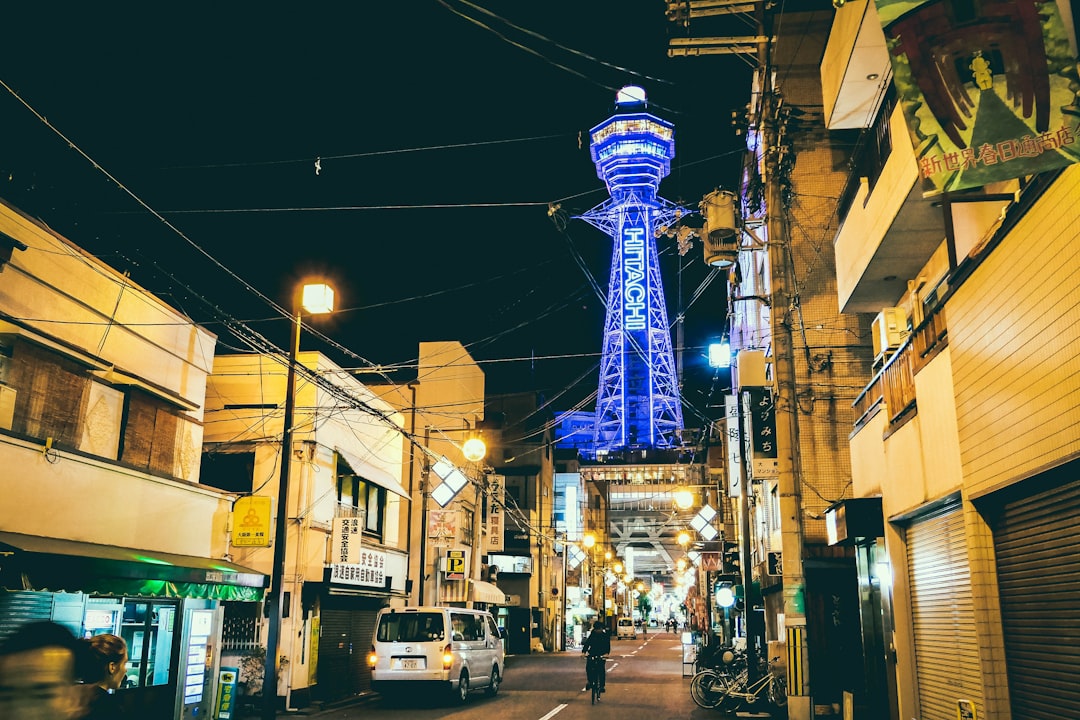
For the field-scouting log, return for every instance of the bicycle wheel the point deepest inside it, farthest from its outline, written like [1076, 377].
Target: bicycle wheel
[707, 689]
[778, 692]
[595, 692]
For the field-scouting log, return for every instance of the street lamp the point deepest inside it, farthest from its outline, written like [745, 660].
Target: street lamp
[315, 299]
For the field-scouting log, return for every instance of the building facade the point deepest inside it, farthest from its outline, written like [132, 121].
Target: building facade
[964, 431]
[346, 515]
[104, 526]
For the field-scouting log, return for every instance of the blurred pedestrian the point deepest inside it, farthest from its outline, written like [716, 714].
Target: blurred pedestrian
[102, 666]
[37, 674]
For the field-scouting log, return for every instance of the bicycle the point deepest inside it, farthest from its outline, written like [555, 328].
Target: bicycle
[710, 686]
[770, 688]
[595, 671]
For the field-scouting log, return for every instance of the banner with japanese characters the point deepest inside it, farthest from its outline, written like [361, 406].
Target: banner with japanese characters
[988, 90]
[762, 413]
[369, 570]
[345, 540]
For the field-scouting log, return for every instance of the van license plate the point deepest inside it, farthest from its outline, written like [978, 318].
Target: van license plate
[410, 664]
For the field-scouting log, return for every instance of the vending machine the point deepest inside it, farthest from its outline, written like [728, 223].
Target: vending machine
[199, 661]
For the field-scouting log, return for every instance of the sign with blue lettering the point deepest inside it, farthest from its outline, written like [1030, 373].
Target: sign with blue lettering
[635, 295]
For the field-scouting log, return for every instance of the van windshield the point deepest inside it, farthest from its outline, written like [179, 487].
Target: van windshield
[410, 627]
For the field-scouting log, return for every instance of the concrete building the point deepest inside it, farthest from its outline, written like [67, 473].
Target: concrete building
[344, 489]
[965, 438]
[521, 453]
[104, 525]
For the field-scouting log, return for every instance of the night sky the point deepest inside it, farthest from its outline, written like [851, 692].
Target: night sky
[439, 143]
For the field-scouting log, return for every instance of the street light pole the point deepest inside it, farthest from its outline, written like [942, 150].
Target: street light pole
[277, 572]
[317, 299]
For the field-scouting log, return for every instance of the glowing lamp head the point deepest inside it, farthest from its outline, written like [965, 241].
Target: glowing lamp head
[683, 498]
[474, 449]
[725, 596]
[317, 298]
[683, 538]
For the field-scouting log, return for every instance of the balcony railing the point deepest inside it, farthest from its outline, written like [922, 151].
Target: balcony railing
[894, 385]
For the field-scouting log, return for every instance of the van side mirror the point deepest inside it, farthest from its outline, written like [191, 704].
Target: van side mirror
[502, 632]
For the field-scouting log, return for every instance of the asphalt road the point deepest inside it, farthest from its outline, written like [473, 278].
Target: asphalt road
[644, 680]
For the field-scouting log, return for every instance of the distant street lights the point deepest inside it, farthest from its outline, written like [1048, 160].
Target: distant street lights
[316, 299]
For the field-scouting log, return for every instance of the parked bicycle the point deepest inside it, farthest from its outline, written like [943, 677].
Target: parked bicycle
[725, 687]
[769, 692]
[719, 668]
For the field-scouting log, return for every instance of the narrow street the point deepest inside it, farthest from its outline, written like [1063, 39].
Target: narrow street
[644, 680]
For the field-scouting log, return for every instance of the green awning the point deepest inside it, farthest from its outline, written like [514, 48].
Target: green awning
[30, 562]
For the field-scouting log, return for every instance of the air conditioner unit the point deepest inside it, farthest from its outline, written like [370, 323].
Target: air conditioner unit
[889, 331]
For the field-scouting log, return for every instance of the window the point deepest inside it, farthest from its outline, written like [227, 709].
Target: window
[410, 627]
[364, 497]
[50, 395]
[228, 471]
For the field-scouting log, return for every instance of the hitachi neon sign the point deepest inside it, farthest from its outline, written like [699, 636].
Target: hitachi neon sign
[635, 315]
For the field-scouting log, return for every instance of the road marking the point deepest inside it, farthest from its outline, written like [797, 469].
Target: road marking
[554, 712]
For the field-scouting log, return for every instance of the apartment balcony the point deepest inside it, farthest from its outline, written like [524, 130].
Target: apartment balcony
[855, 69]
[890, 231]
[892, 389]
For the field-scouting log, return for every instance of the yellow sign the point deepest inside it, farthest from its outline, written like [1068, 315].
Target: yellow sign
[251, 522]
[455, 564]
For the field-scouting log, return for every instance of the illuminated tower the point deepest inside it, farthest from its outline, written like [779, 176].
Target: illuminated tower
[638, 404]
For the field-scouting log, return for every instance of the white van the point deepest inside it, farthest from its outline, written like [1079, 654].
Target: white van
[454, 649]
[624, 628]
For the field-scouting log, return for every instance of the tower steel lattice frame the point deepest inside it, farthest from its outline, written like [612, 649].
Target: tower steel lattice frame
[638, 402]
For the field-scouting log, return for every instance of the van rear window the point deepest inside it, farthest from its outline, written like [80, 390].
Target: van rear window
[410, 627]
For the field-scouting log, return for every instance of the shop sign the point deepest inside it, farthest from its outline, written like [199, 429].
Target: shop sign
[226, 703]
[454, 564]
[346, 540]
[251, 522]
[369, 571]
[762, 412]
[986, 88]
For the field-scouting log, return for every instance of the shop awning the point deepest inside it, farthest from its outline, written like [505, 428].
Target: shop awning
[379, 477]
[485, 592]
[30, 562]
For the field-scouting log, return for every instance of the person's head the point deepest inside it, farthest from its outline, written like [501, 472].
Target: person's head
[598, 625]
[37, 673]
[103, 661]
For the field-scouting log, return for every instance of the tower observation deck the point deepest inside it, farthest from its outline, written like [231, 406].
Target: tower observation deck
[638, 404]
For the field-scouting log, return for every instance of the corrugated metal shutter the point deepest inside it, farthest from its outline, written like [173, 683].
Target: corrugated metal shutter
[335, 650]
[19, 608]
[1037, 542]
[348, 624]
[942, 616]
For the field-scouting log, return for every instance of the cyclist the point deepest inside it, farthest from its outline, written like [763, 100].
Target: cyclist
[595, 647]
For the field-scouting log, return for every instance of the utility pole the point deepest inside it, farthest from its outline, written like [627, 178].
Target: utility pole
[783, 299]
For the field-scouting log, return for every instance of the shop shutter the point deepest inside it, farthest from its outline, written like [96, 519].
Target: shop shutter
[363, 627]
[942, 616]
[335, 646]
[347, 623]
[19, 608]
[1037, 543]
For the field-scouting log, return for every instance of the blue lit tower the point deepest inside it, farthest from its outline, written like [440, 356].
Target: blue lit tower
[638, 403]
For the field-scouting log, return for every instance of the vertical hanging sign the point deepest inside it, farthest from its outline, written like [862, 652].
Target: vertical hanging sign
[762, 413]
[986, 88]
[734, 446]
